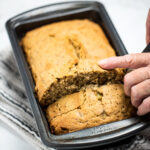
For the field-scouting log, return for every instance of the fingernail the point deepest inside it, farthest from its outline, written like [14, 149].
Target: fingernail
[102, 62]
[138, 113]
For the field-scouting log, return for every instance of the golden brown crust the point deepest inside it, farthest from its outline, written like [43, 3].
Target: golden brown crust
[64, 50]
[92, 106]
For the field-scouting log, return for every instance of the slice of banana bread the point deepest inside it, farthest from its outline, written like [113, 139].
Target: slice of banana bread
[92, 106]
[63, 58]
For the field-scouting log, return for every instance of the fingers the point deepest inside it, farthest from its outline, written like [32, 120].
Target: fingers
[148, 28]
[134, 77]
[144, 108]
[139, 92]
[132, 61]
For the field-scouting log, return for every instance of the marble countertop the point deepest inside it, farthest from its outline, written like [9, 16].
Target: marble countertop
[128, 16]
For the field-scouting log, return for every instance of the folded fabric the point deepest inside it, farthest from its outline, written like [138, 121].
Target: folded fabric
[16, 112]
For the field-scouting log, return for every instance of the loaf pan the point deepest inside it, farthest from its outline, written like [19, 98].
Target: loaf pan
[92, 10]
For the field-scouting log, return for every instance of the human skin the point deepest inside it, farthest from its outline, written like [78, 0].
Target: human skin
[136, 82]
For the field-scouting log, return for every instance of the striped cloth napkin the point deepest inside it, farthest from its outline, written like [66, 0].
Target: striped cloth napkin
[16, 112]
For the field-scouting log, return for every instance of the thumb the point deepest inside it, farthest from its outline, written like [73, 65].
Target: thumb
[132, 61]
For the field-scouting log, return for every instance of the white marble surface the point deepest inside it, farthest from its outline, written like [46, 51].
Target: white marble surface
[10, 140]
[128, 16]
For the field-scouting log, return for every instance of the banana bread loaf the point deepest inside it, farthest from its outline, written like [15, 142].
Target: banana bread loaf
[91, 106]
[63, 58]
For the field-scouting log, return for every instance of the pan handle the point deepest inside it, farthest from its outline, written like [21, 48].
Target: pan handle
[147, 49]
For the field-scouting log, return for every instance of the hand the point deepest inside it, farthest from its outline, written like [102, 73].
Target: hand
[137, 82]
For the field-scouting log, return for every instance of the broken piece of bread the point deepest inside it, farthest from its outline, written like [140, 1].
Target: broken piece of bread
[91, 106]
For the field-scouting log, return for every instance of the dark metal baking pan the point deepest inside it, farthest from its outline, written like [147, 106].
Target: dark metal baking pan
[20, 24]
